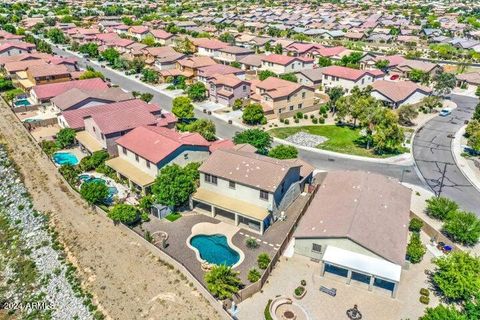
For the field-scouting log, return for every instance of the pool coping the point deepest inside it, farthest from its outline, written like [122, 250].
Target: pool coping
[209, 229]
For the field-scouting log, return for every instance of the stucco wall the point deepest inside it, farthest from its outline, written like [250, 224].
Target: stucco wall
[304, 247]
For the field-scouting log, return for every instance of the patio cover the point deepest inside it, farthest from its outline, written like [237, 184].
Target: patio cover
[358, 262]
[88, 141]
[128, 170]
[231, 204]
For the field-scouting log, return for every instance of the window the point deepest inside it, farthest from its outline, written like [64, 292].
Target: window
[136, 157]
[244, 88]
[363, 80]
[263, 195]
[124, 150]
[300, 106]
[103, 136]
[291, 108]
[231, 184]
[94, 130]
[214, 180]
[210, 179]
[148, 163]
[316, 247]
[303, 95]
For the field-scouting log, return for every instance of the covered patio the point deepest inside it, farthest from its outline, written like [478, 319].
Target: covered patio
[137, 178]
[87, 142]
[241, 213]
[361, 268]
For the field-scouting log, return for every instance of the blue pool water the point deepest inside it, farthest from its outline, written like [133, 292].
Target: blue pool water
[215, 249]
[63, 158]
[22, 103]
[88, 178]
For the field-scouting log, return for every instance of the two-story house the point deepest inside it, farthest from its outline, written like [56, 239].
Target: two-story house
[205, 73]
[281, 99]
[347, 78]
[188, 67]
[281, 64]
[16, 47]
[162, 37]
[42, 94]
[208, 47]
[145, 150]
[226, 89]
[245, 188]
[138, 32]
[232, 54]
[43, 74]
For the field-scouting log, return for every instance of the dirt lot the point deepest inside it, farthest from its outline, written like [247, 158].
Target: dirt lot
[126, 279]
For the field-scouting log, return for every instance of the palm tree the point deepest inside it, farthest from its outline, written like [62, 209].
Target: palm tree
[222, 281]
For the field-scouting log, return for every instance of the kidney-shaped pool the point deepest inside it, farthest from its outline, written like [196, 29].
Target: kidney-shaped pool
[215, 249]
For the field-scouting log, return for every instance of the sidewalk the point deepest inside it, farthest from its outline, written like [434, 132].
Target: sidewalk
[466, 166]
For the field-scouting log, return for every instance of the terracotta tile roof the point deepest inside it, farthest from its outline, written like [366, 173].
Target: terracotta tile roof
[12, 67]
[236, 50]
[215, 69]
[156, 143]
[209, 43]
[330, 52]
[47, 70]
[349, 73]
[196, 62]
[138, 29]
[74, 96]
[161, 34]
[398, 91]
[121, 113]
[25, 57]
[278, 88]
[253, 60]
[369, 209]
[226, 80]
[470, 77]
[16, 44]
[48, 91]
[247, 168]
[123, 119]
[285, 60]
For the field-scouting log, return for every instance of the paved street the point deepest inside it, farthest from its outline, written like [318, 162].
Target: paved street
[434, 158]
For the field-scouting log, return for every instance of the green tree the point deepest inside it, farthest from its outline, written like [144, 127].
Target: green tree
[463, 227]
[5, 84]
[222, 281]
[204, 127]
[70, 173]
[10, 28]
[253, 275]
[236, 64]
[173, 185]
[476, 113]
[94, 192]
[149, 41]
[334, 94]
[253, 114]
[417, 75]
[278, 49]
[352, 60]
[431, 102]
[90, 74]
[137, 65]
[440, 207]
[289, 77]
[264, 74]
[146, 96]
[56, 35]
[197, 91]
[283, 151]
[182, 107]
[110, 55]
[477, 92]
[388, 135]
[256, 137]
[324, 62]
[472, 127]
[149, 75]
[49, 147]
[227, 37]
[65, 138]
[90, 49]
[124, 213]
[457, 275]
[444, 82]
[406, 114]
[382, 64]
[95, 160]
[442, 312]
[415, 249]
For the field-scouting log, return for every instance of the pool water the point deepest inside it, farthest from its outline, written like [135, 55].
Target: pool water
[88, 178]
[215, 249]
[22, 103]
[63, 158]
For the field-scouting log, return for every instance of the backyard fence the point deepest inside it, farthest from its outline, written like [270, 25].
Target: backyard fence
[20, 109]
[250, 290]
[40, 123]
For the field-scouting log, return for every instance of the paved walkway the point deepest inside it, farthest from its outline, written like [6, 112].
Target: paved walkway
[466, 165]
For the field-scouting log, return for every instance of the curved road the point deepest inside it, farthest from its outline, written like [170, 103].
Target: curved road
[434, 159]
[431, 147]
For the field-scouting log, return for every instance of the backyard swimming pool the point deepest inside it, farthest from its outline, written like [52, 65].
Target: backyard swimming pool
[88, 178]
[215, 249]
[63, 158]
[22, 103]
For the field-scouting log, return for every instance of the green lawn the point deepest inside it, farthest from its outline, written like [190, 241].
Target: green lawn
[173, 216]
[340, 139]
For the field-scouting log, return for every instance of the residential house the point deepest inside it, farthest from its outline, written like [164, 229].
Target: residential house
[368, 61]
[281, 98]
[42, 74]
[188, 67]
[356, 226]
[208, 47]
[145, 150]
[80, 98]
[252, 62]
[163, 58]
[470, 80]
[101, 125]
[404, 68]
[138, 32]
[398, 93]
[162, 37]
[42, 94]
[16, 47]
[231, 54]
[204, 73]
[281, 64]
[242, 187]
[347, 78]
[310, 77]
[226, 89]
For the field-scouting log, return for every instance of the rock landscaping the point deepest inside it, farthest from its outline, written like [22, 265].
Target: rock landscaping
[306, 139]
[36, 281]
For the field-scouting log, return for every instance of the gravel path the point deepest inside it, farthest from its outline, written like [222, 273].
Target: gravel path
[306, 139]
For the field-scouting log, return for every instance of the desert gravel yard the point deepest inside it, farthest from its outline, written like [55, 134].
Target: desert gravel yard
[127, 279]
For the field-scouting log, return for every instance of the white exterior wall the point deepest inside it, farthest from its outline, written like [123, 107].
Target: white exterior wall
[207, 52]
[330, 82]
[292, 67]
[413, 99]
[241, 192]
[92, 128]
[12, 52]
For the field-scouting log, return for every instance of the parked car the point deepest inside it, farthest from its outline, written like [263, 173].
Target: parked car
[445, 112]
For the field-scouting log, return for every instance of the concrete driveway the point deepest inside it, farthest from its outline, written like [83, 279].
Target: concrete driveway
[433, 156]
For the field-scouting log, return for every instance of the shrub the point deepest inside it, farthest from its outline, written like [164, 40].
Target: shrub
[323, 109]
[251, 243]
[49, 147]
[296, 120]
[303, 283]
[286, 121]
[124, 213]
[266, 312]
[314, 120]
[415, 225]
[415, 249]
[263, 260]
[253, 275]
[321, 120]
[94, 192]
[299, 115]
[299, 290]
[440, 207]
[222, 281]
[305, 116]
[424, 299]
[463, 227]
[424, 292]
